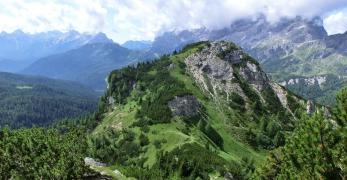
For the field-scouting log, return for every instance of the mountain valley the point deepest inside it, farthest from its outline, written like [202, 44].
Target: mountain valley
[27, 101]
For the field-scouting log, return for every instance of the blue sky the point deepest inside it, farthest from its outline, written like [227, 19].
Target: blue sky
[143, 19]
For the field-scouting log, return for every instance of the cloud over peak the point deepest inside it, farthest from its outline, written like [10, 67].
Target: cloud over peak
[144, 19]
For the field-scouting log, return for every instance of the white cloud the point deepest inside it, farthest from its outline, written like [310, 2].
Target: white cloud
[144, 19]
[336, 22]
[42, 15]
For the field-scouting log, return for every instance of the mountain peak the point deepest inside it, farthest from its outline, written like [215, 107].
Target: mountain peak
[100, 38]
[18, 32]
[201, 99]
[19, 45]
[137, 45]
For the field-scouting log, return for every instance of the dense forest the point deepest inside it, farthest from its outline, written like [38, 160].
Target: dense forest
[27, 101]
[323, 93]
[315, 150]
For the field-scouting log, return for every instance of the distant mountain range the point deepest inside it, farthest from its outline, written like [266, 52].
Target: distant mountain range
[19, 49]
[80, 57]
[290, 47]
[89, 64]
[138, 45]
[294, 47]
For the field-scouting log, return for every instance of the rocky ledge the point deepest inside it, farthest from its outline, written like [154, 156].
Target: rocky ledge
[184, 106]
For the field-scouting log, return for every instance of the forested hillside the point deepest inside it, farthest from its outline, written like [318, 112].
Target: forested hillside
[27, 101]
[320, 88]
[207, 112]
[210, 107]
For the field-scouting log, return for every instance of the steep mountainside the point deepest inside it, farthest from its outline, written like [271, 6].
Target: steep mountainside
[323, 88]
[290, 47]
[7, 65]
[89, 64]
[26, 101]
[202, 113]
[22, 48]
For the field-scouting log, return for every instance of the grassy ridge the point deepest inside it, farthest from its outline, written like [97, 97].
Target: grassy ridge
[139, 121]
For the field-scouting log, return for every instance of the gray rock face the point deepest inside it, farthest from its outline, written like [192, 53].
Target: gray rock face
[171, 66]
[255, 76]
[184, 106]
[228, 176]
[111, 100]
[92, 162]
[308, 81]
[216, 74]
[310, 108]
[211, 72]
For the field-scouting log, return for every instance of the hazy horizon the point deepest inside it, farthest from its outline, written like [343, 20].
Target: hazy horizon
[144, 20]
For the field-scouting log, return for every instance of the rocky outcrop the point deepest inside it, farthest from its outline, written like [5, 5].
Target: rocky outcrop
[281, 94]
[228, 176]
[171, 66]
[111, 100]
[253, 75]
[309, 81]
[217, 73]
[310, 107]
[92, 162]
[184, 106]
[211, 72]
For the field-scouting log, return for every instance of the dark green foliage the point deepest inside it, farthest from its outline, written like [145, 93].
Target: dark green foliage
[211, 133]
[114, 147]
[269, 135]
[192, 120]
[237, 102]
[293, 104]
[121, 83]
[315, 150]
[279, 139]
[141, 123]
[256, 104]
[162, 88]
[27, 101]
[200, 45]
[145, 129]
[306, 91]
[324, 93]
[143, 140]
[190, 161]
[340, 112]
[42, 154]
[247, 167]
[272, 101]
[157, 144]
